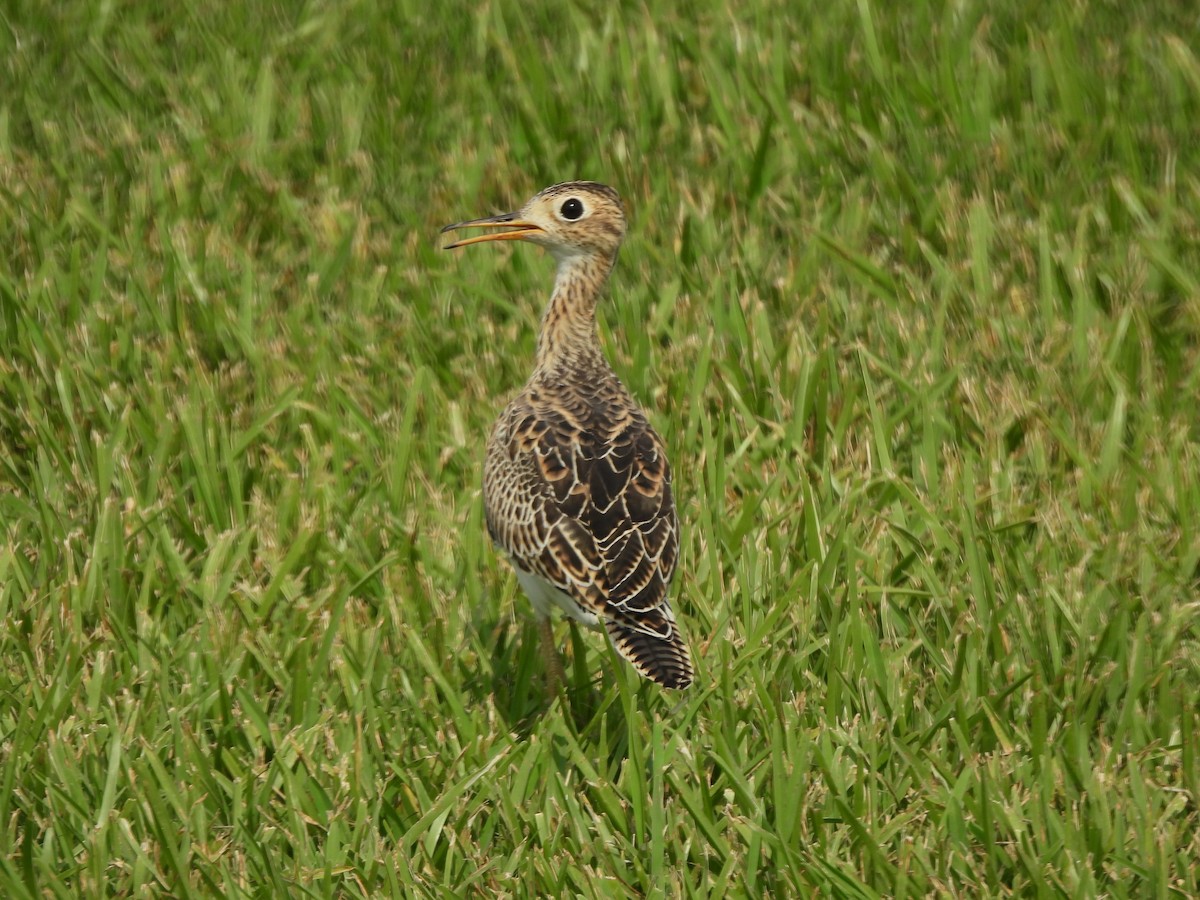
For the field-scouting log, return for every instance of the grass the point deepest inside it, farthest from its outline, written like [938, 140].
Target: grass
[911, 295]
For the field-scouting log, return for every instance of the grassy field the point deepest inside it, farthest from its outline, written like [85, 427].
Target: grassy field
[913, 298]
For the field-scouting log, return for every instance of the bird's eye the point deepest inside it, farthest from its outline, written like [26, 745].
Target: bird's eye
[572, 209]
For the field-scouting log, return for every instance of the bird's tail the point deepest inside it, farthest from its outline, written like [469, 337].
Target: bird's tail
[654, 646]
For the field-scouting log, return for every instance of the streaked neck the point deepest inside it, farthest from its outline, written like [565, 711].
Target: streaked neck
[568, 335]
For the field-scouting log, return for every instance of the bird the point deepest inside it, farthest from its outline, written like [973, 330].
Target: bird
[576, 483]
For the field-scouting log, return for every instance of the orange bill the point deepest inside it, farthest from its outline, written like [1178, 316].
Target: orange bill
[515, 227]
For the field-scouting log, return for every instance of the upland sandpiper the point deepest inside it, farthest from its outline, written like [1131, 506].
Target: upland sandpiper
[576, 485]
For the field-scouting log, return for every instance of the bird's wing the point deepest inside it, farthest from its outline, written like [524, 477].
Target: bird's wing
[580, 493]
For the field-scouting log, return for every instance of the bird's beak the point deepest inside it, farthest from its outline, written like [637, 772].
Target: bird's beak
[516, 229]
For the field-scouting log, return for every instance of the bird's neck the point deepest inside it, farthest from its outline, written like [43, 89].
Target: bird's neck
[567, 341]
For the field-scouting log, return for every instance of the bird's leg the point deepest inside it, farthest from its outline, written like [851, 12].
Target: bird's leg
[554, 667]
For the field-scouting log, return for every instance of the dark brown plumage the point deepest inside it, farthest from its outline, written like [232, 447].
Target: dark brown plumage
[576, 485]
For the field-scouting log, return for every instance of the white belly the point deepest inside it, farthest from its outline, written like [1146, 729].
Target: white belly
[544, 596]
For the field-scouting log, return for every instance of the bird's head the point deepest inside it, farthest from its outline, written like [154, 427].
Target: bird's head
[573, 219]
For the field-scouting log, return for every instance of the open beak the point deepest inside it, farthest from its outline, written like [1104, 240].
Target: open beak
[515, 227]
